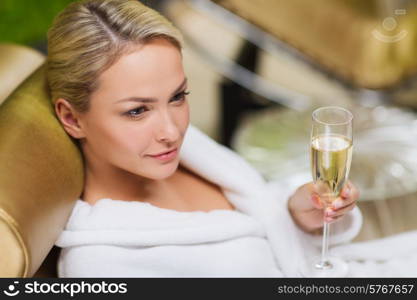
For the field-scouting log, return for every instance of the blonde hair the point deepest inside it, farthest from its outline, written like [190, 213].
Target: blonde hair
[88, 36]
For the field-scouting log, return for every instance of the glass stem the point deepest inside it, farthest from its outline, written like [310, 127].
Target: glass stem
[325, 246]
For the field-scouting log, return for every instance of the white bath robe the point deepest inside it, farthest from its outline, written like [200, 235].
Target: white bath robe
[116, 238]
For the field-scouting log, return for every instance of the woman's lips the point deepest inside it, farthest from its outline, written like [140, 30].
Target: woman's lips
[167, 156]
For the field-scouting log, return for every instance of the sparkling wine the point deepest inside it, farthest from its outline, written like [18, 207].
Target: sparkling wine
[331, 156]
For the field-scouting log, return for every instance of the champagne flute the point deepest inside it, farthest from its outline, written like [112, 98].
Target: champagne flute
[331, 156]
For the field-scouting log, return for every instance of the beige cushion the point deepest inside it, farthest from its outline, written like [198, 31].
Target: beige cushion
[41, 175]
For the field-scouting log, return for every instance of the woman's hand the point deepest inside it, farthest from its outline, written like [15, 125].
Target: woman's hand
[307, 209]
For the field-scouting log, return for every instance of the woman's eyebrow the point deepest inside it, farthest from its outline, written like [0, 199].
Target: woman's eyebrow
[151, 100]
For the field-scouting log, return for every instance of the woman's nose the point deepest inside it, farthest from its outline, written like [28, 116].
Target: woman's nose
[167, 129]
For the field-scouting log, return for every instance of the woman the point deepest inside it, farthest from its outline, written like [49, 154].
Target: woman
[118, 87]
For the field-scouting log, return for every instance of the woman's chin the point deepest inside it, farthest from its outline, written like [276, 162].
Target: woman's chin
[164, 171]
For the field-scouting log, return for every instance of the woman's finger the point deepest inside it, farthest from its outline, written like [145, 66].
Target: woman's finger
[349, 190]
[345, 192]
[315, 199]
[332, 219]
[340, 203]
[354, 192]
[339, 212]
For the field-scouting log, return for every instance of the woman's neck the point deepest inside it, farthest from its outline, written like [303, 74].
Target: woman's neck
[109, 182]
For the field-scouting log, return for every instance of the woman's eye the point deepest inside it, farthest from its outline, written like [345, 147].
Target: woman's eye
[136, 112]
[180, 96]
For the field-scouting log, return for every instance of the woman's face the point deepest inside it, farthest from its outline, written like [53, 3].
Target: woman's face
[139, 109]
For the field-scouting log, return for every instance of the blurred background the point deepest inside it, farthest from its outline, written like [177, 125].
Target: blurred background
[258, 68]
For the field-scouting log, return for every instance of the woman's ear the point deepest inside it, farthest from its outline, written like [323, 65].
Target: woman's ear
[69, 118]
